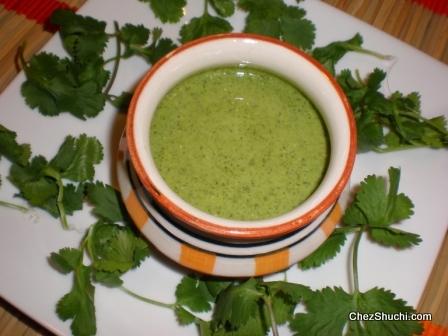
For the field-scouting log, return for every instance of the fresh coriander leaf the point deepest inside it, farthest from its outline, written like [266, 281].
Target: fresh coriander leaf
[122, 101]
[92, 72]
[119, 255]
[296, 30]
[266, 26]
[327, 250]
[216, 285]
[394, 237]
[260, 9]
[275, 19]
[78, 304]
[284, 297]
[333, 52]
[223, 8]
[66, 154]
[33, 187]
[237, 305]
[73, 198]
[84, 37]
[107, 201]
[108, 279]
[67, 260]
[134, 34]
[168, 10]
[13, 151]
[376, 207]
[204, 26]
[335, 302]
[255, 326]
[184, 316]
[159, 49]
[194, 294]
[51, 88]
[369, 132]
[88, 152]
[115, 248]
[380, 300]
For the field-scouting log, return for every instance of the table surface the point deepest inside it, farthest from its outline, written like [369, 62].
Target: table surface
[407, 20]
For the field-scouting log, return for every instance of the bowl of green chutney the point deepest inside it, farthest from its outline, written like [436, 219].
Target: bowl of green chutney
[241, 136]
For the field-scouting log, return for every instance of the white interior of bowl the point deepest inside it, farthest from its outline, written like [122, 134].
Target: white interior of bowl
[258, 53]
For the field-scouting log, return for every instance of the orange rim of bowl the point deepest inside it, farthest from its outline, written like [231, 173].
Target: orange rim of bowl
[238, 232]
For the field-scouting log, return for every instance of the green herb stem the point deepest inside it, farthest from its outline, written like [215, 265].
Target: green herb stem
[117, 60]
[13, 206]
[50, 172]
[417, 116]
[274, 328]
[355, 260]
[141, 298]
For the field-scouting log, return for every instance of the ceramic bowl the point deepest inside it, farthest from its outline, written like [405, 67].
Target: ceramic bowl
[213, 255]
[274, 56]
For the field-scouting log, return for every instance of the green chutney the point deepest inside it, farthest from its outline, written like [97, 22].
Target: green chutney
[239, 143]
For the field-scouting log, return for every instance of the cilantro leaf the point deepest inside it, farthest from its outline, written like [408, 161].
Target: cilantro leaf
[194, 294]
[78, 304]
[115, 248]
[15, 152]
[41, 183]
[223, 8]
[53, 86]
[168, 10]
[329, 55]
[335, 302]
[85, 38]
[275, 19]
[216, 285]
[184, 316]
[284, 298]
[67, 260]
[122, 101]
[203, 26]
[107, 201]
[394, 237]
[377, 208]
[327, 250]
[121, 252]
[88, 151]
[237, 305]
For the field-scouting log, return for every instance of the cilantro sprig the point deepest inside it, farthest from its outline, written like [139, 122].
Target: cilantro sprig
[373, 211]
[275, 19]
[208, 24]
[400, 114]
[80, 84]
[14, 152]
[375, 113]
[41, 182]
